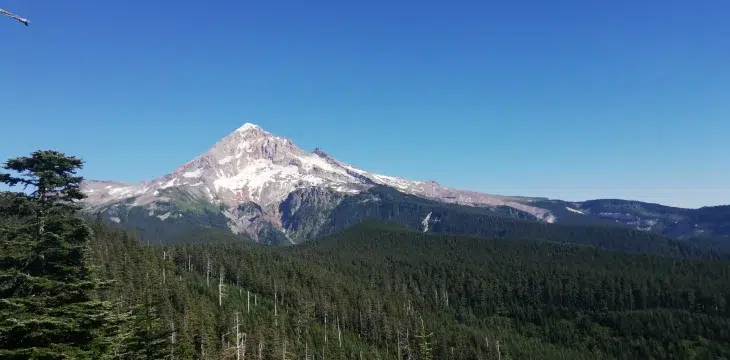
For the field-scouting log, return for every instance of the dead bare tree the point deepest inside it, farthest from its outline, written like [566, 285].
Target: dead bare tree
[261, 349]
[426, 346]
[325, 326]
[244, 336]
[339, 333]
[285, 354]
[221, 287]
[173, 335]
[202, 346]
[164, 263]
[16, 17]
[207, 273]
[400, 345]
[238, 338]
[276, 313]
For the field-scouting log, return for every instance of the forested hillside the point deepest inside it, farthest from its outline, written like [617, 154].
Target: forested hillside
[706, 226]
[374, 282]
[75, 289]
[388, 204]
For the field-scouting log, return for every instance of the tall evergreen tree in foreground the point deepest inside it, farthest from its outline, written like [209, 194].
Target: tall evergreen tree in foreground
[48, 308]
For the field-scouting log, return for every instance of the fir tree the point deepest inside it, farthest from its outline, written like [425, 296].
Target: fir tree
[48, 307]
[145, 335]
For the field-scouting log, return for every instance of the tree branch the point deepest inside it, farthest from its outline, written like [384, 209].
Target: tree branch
[13, 16]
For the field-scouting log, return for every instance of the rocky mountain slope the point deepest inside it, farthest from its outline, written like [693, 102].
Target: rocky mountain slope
[262, 186]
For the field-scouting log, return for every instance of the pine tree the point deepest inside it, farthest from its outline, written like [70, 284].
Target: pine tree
[146, 336]
[48, 305]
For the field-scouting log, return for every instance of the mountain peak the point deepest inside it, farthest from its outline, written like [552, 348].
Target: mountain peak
[251, 132]
[253, 165]
[248, 126]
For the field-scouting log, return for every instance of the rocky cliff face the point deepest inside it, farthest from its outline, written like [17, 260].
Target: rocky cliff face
[306, 211]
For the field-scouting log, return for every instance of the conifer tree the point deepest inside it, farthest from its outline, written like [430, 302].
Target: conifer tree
[145, 336]
[48, 305]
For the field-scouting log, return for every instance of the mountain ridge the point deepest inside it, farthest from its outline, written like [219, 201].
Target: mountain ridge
[265, 187]
[253, 166]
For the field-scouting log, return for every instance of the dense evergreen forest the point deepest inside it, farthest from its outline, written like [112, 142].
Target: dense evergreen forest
[77, 289]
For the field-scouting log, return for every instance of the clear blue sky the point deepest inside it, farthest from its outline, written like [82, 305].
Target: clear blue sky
[566, 99]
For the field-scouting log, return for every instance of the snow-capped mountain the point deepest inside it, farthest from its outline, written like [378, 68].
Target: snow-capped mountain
[248, 165]
[255, 183]
[253, 166]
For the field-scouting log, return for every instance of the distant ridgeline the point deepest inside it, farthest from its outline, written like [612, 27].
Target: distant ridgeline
[263, 187]
[388, 204]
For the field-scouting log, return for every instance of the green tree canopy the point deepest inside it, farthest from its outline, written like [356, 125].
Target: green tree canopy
[48, 308]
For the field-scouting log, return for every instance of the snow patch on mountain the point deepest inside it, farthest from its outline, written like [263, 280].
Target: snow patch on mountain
[226, 160]
[193, 174]
[575, 210]
[168, 184]
[425, 222]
